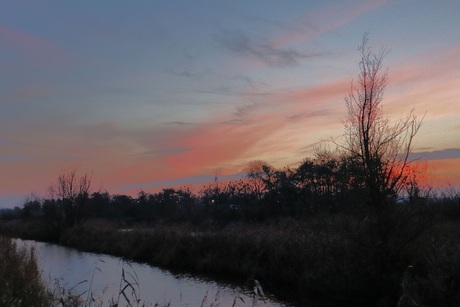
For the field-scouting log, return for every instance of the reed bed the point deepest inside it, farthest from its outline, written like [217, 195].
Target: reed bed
[326, 261]
[20, 280]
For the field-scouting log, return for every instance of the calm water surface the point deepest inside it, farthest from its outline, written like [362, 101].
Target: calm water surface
[101, 276]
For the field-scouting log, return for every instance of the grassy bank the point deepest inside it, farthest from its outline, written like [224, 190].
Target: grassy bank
[326, 261]
[21, 283]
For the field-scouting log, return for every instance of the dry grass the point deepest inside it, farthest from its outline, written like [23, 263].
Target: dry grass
[21, 283]
[327, 260]
[20, 280]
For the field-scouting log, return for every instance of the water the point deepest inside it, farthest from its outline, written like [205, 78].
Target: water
[100, 276]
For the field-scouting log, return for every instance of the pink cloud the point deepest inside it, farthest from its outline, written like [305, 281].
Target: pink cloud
[426, 80]
[41, 50]
[432, 65]
[225, 142]
[22, 39]
[328, 18]
[334, 89]
[305, 27]
[252, 132]
[215, 145]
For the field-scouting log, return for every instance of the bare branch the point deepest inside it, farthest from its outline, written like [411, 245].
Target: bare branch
[381, 147]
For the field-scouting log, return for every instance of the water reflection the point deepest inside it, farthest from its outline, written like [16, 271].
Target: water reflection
[99, 279]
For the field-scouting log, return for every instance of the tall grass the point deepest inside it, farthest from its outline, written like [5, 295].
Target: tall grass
[325, 261]
[20, 280]
[349, 258]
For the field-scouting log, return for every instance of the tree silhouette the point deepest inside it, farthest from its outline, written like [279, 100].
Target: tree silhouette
[380, 146]
[71, 193]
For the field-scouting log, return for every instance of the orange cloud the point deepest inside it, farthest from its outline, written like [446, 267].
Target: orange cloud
[445, 172]
[217, 145]
[262, 130]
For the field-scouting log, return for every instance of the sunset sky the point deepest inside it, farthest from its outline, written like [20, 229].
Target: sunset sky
[151, 94]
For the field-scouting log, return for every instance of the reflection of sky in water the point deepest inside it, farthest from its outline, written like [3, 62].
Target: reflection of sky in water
[156, 285]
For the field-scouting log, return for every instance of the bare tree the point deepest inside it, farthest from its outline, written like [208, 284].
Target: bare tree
[382, 147]
[71, 192]
[260, 174]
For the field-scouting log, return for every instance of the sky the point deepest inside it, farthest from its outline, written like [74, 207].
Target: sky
[145, 95]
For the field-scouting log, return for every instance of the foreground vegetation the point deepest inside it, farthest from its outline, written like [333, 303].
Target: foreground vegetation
[20, 280]
[21, 283]
[325, 259]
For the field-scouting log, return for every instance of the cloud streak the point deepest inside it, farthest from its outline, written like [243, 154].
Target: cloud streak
[451, 153]
[238, 42]
[233, 140]
[327, 18]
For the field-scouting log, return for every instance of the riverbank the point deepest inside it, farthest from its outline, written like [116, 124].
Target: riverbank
[20, 281]
[98, 280]
[324, 261]
[237, 253]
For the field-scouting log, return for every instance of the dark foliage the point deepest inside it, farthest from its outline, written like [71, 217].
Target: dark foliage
[306, 234]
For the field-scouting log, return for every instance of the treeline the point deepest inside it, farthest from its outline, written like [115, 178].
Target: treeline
[327, 183]
[308, 235]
